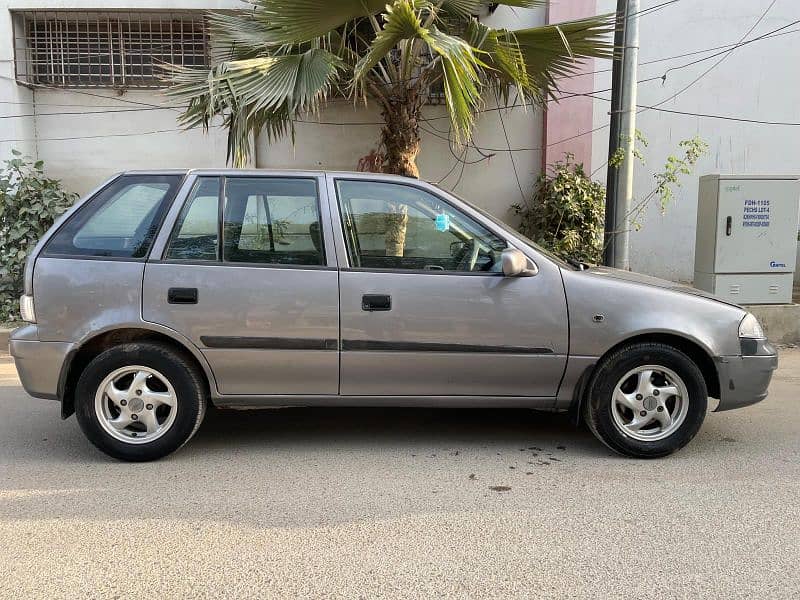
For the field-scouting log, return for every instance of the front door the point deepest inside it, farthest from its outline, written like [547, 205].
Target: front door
[247, 277]
[425, 308]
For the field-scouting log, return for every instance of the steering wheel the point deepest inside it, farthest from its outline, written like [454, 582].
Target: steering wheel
[469, 257]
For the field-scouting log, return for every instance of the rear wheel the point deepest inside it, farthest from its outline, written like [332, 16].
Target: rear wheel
[646, 400]
[140, 401]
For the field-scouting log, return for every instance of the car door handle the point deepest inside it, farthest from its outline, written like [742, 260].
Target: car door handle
[376, 302]
[182, 295]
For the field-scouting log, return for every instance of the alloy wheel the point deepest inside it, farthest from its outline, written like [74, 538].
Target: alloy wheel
[136, 404]
[650, 403]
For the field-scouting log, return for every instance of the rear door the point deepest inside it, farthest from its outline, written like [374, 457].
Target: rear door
[248, 274]
[425, 308]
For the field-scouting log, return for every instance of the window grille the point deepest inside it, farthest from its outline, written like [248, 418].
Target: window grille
[106, 49]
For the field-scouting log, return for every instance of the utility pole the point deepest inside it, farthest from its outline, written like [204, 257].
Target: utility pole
[619, 185]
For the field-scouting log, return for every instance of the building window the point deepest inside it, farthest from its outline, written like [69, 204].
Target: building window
[106, 49]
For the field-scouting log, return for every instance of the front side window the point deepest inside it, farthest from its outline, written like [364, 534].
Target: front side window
[121, 221]
[396, 226]
[272, 221]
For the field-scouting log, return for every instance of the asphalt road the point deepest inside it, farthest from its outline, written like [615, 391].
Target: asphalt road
[401, 503]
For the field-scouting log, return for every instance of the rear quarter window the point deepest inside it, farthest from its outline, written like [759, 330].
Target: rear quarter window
[120, 221]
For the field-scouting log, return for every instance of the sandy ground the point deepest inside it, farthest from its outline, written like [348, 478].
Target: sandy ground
[401, 503]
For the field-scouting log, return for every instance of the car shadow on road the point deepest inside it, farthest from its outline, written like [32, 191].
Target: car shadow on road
[391, 427]
[305, 467]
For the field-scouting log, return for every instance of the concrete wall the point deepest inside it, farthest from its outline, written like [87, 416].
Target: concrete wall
[570, 119]
[15, 101]
[757, 81]
[109, 142]
[116, 141]
[108, 146]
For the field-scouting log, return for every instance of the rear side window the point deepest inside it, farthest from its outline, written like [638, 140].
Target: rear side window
[120, 221]
[272, 220]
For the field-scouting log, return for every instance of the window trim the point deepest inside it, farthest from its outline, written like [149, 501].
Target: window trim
[221, 204]
[174, 229]
[82, 205]
[350, 268]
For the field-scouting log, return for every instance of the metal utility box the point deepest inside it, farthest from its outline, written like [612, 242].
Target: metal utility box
[745, 249]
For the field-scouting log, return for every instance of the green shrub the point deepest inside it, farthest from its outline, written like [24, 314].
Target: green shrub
[566, 213]
[29, 203]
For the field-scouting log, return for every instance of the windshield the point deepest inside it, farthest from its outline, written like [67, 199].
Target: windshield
[507, 228]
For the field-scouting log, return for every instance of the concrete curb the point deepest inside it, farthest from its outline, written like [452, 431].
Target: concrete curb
[4, 335]
[781, 322]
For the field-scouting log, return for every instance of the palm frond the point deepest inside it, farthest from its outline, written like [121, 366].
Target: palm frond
[252, 93]
[283, 59]
[506, 62]
[461, 77]
[468, 8]
[402, 21]
[299, 20]
[238, 35]
[555, 51]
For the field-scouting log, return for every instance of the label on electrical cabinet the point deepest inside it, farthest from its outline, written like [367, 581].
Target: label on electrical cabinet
[756, 213]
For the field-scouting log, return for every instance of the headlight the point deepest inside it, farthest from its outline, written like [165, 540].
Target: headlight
[26, 309]
[750, 327]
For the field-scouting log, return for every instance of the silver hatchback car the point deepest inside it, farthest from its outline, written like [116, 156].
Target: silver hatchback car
[164, 291]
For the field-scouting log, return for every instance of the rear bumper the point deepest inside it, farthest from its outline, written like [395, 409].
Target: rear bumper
[38, 363]
[744, 379]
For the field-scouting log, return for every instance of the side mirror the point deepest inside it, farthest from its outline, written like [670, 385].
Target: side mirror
[516, 264]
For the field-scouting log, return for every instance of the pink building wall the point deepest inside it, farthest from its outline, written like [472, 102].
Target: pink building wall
[571, 116]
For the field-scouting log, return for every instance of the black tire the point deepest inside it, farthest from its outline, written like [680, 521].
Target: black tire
[598, 403]
[186, 380]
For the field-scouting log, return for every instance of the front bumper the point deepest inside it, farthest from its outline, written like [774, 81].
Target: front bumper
[744, 379]
[38, 363]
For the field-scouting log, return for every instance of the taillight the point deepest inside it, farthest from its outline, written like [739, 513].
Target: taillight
[26, 309]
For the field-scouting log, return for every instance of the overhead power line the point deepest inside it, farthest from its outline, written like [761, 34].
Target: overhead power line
[779, 32]
[725, 55]
[92, 137]
[742, 42]
[146, 106]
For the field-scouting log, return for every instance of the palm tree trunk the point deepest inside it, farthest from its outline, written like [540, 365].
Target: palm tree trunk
[401, 143]
[400, 134]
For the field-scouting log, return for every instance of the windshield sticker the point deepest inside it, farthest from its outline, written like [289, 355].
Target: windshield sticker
[442, 222]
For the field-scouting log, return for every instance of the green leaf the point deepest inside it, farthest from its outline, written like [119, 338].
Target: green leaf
[555, 51]
[27, 201]
[462, 87]
[468, 8]
[267, 92]
[401, 22]
[300, 20]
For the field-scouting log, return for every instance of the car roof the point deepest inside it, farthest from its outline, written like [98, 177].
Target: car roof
[283, 172]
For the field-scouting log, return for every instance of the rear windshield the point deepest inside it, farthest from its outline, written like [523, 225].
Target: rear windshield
[119, 221]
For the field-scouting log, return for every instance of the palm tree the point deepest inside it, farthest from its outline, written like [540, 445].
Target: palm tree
[283, 60]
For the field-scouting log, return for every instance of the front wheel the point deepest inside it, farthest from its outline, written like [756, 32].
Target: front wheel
[646, 400]
[140, 401]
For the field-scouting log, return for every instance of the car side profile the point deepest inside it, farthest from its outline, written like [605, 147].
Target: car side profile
[163, 291]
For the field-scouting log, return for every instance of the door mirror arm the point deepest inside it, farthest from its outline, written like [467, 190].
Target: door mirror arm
[516, 264]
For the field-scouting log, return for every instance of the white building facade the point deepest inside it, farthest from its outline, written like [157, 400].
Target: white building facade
[75, 93]
[757, 79]
[93, 108]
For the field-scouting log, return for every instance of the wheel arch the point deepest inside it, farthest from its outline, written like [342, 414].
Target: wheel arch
[699, 355]
[88, 349]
